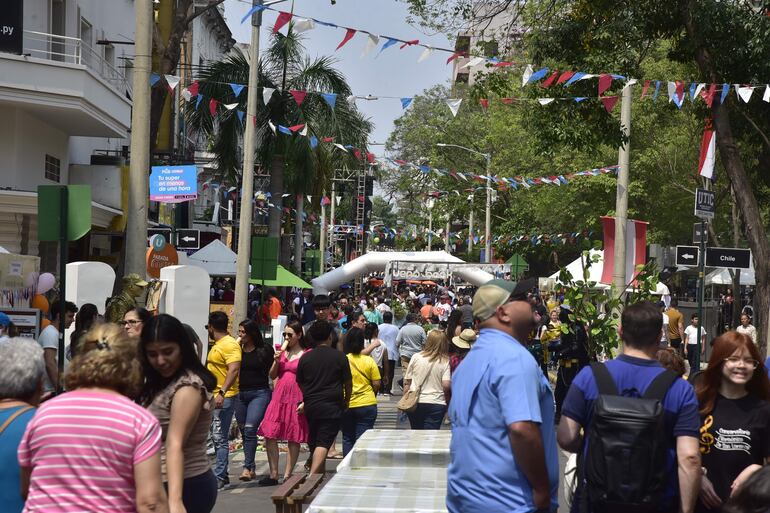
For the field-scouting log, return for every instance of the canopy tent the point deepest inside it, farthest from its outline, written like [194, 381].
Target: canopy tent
[216, 258]
[722, 277]
[284, 278]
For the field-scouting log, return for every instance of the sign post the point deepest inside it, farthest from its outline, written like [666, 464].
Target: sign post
[705, 208]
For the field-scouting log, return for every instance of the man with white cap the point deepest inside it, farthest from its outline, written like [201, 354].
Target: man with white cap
[503, 448]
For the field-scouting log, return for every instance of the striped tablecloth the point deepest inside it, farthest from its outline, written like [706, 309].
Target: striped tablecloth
[399, 448]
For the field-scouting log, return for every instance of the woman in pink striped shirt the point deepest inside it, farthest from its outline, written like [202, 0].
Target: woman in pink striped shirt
[93, 449]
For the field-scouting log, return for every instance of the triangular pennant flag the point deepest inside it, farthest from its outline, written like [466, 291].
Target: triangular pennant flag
[186, 94]
[237, 88]
[473, 62]
[526, 75]
[338, 145]
[671, 91]
[283, 19]
[679, 97]
[645, 87]
[425, 54]
[605, 81]
[231, 106]
[537, 75]
[564, 77]
[454, 105]
[544, 101]
[455, 56]
[707, 152]
[330, 98]
[349, 33]
[294, 128]
[254, 9]
[745, 93]
[304, 25]
[609, 102]
[154, 77]
[338, 199]
[766, 96]
[284, 130]
[411, 42]
[240, 115]
[267, 93]
[198, 101]
[371, 43]
[303, 132]
[328, 139]
[313, 141]
[390, 42]
[574, 78]
[269, 123]
[193, 88]
[725, 92]
[708, 95]
[406, 102]
[548, 81]
[370, 157]
[579, 99]
[213, 106]
[172, 82]
[484, 103]
[693, 87]
[657, 91]
[299, 96]
[698, 90]
[357, 154]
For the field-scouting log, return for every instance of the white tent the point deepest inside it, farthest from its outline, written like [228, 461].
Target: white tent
[216, 258]
[722, 277]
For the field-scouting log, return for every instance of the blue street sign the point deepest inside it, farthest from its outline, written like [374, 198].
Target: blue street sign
[173, 184]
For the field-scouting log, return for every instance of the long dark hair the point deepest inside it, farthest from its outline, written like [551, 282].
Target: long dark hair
[724, 346]
[455, 319]
[167, 328]
[86, 317]
[296, 327]
[142, 313]
[354, 341]
[265, 353]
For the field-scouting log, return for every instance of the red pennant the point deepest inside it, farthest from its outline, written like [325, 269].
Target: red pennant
[679, 90]
[370, 157]
[409, 43]
[400, 162]
[503, 64]
[605, 81]
[299, 96]
[297, 127]
[548, 81]
[645, 88]
[283, 19]
[609, 102]
[348, 36]
[357, 153]
[328, 139]
[708, 95]
[484, 103]
[193, 88]
[454, 56]
[213, 107]
[507, 101]
[564, 77]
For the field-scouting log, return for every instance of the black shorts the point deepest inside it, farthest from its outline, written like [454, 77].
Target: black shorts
[322, 432]
[675, 342]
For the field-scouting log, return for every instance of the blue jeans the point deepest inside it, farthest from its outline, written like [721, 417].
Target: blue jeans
[355, 422]
[427, 416]
[220, 423]
[249, 410]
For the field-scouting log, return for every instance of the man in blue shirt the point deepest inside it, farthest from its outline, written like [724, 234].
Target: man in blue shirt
[503, 450]
[633, 371]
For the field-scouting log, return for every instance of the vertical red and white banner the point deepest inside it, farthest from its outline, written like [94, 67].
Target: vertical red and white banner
[636, 247]
[707, 152]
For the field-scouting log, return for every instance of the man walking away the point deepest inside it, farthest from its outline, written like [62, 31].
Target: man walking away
[411, 337]
[49, 341]
[640, 448]
[388, 334]
[691, 343]
[324, 377]
[503, 448]
[675, 326]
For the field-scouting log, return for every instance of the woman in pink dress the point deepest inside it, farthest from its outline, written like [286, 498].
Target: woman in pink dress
[282, 422]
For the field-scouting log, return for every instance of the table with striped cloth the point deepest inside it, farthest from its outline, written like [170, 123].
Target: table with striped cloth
[399, 448]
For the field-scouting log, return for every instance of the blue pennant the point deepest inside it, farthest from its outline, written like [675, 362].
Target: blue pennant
[284, 130]
[254, 9]
[574, 78]
[313, 141]
[725, 92]
[330, 98]
[693, 87]
[154, 77]
[657, 90]
[406, 102]
[390, 42]
[198, 101]
[579, 99]
[237, 88]
[240, 115]
[537, 75]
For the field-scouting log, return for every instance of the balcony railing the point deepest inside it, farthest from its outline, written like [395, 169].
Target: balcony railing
[72, 50]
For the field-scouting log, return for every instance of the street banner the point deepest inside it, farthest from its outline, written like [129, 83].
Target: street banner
[636, 248]
[173, 184]
[707, 152]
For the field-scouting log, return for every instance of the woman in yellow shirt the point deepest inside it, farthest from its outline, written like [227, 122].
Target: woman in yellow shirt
[362, 412]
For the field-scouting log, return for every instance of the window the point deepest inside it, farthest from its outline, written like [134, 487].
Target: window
[52, 168]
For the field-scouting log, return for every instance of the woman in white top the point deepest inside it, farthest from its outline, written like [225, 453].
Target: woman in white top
[376, 348]
[429, 371]
[747, 328]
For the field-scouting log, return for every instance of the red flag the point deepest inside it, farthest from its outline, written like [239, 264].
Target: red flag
[297, 127]
[370, 157]
[283, 19]
[348, 36]
[328, 139]
[213, 106]
[454, 56]
[564, 77]
[503, 64]
[605, 81]
[484, 103]
[707, 156]
[609, 102]
[636, 245]
[193, 88]
[299, 96]
[507, 101]
[409, 43]
[708, 96]
[548, 81]
[645, 88]
[680, 90]
[357, 153]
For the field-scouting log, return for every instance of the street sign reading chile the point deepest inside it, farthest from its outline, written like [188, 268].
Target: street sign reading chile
[705, 204]
[173, 184]
[728, 258]
[687, 256]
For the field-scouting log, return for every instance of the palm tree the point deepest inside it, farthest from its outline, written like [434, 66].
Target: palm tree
[295, 166]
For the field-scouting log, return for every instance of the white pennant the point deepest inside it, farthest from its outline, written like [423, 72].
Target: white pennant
[309, 199]
[186, 94]
[231, 106]
[631, 81]
[267, 93]
[544, 101]
[304, 25]
[371, 43]
[352, 99]
[172, 81]
[745, 93]
[587, 76]
[527, 73]
[454, 105]
[338, 199]
[338, 145]
[671, 91]
[272, 126]
[698, 89]
[766, 97]
[425, 54]
[304, 130]
[474, 62]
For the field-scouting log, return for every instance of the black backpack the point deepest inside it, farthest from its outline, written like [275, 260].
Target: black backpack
[625, 464]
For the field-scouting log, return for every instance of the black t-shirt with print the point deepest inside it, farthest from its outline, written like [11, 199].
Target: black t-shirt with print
[732, 437]
[321, 375]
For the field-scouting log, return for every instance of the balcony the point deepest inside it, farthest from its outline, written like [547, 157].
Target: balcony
[67, 84]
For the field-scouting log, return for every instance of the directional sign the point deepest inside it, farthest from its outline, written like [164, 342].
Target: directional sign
[705, 204]
[188, 239]
[700, 233]
[687, 256]
[728, 258]
[165, 232]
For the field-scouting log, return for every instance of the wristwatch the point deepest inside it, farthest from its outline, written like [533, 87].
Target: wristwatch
[221, 392]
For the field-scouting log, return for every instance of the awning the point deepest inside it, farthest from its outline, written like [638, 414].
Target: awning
[284, 278]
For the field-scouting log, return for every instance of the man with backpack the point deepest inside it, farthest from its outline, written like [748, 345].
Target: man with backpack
[639, 452]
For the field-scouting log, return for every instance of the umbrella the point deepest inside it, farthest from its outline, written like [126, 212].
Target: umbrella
[284, 278]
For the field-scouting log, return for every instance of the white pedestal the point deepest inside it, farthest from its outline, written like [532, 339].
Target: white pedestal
[187, 297]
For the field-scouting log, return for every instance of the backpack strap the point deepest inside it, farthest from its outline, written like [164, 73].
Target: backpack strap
[12, 416]
[604, 381]
[660, 385]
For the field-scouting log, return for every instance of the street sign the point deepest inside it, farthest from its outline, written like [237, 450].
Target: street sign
[728, 258]
[12, 26]
[705, 204]
[165, 232]
[173, 184]
[188, 239]
[700, 233]
[687, 256]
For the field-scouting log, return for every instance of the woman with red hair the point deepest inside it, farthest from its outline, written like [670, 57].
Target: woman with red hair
[734, 395]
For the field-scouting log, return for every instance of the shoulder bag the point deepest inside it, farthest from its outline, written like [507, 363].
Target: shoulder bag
[12, 417]
[408, 401]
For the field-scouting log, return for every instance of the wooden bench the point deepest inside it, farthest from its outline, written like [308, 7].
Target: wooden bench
[298, 491]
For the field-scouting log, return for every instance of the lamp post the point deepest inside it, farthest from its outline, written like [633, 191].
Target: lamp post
[488, 220]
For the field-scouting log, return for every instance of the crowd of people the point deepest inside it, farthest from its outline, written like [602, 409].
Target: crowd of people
[126, 427]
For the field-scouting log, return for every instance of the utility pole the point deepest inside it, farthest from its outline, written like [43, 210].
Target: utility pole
[247, 185]
[430, 203]
[139, 188]
[446, 235]
[470, 230]
[488, 221]
[621, 198]
[322, 234]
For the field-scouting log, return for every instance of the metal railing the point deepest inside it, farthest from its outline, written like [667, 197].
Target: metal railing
[72, 50]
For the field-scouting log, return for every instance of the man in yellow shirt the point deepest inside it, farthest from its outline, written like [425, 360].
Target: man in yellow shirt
[224, 361]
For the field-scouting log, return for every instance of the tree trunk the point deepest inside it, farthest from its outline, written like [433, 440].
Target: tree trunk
[298, 235]
[276, 195]
[731, 160]
[736, 222]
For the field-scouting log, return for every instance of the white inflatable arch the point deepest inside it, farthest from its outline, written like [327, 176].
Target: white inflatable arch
[376, 261]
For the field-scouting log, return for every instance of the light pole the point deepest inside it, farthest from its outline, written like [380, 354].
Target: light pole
[430, 203]
[488, 220]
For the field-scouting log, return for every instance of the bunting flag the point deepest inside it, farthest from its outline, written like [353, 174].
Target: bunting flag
[330, 98]
[304, 25]
[267, 93]
[231, 106]
[371, 43]
[213, 106]
[425, 54]
[349, 33]
[284, 130]
[303, 132]
[548, 81]
[454, 105]
[537, 75]
[390, 42]
[645, 88]
[574, 78]
[708, 94]
[299, 96]
[283, 19]
[609, 102]
[455, 56]
[766, 96]
[605, 81]
[172, 81]
[256, 8]
[657, 90]
[154, 78]
[744, 92]
[269, 123]
[527, 75]
[725, 92]
[544, 101]
[240, 115]
[707, 156]
[237, 88]
[636, 247]
[564, 77]
[325, 201]
[474, 62]
[313, 142]
[198, 101]
[411, 42]
[338, 145]
[193, 88]
[484, 103]
[295, 128]
[406, 102]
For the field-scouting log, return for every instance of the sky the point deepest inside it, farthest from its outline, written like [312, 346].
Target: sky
[394, 73]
